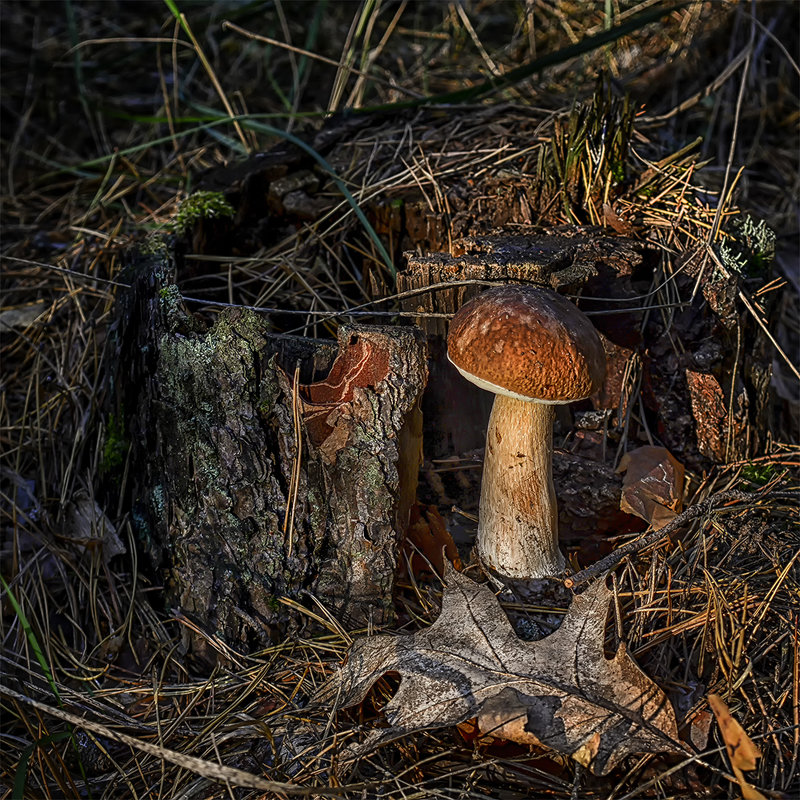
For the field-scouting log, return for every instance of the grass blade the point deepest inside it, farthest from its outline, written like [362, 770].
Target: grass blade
[21, 773]
[31, 637]
[340, 185]
[496, 83]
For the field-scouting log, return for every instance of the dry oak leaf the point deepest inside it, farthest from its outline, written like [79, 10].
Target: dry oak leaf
[653, 484]
[560, 691]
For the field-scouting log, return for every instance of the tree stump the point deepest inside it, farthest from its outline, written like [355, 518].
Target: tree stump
[264, 466]
[569, 259]
[708, 404]
[561, 258]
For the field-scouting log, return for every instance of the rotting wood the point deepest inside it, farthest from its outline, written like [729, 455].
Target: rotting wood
[615, 278]
[688, 305]
[569, 259]
[561, 258]
[213, 416]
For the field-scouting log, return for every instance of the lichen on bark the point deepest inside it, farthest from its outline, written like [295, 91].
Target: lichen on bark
[215, 468]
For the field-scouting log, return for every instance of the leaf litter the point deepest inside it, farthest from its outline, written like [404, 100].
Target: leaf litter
[741, 750]
[717, 608]
[653, 484]
[560, 692]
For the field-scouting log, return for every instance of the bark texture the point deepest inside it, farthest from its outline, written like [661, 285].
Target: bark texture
[559, 258]
[267, 466]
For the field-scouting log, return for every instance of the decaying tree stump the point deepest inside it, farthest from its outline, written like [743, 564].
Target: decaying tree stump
[255, 482]
[564, 258]
[706, 398]
[267, 466]
[570, 259]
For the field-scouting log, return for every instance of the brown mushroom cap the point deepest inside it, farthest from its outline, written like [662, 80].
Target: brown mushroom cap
[529, 343]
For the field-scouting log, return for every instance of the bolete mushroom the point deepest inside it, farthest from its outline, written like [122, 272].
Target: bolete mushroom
[533, 349]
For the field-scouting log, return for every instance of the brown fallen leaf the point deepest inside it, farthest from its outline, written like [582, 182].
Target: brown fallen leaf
[653, 484]
[87, 525]
[560, 692]
[620, 225]
[587, 752]
[741, 750]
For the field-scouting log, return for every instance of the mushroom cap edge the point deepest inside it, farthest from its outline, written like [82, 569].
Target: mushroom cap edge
[527, 342]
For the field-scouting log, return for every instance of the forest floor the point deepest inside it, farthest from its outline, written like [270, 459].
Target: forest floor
[674, 126]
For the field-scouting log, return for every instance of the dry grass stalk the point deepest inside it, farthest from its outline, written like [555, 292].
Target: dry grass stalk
[716, 610]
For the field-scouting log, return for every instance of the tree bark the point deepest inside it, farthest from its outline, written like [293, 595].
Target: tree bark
[266, 467]
[560, 258]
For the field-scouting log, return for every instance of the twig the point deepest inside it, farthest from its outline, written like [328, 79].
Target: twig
[207, 769]
[703, 507]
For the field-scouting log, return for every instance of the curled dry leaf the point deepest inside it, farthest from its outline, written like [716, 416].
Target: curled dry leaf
[428, 542]
[587, 752]
[88, 526]
[653, 484]
[326, 404]
[21, 316]
[560, 692]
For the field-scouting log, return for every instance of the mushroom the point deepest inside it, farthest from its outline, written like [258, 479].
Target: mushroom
[533, 349]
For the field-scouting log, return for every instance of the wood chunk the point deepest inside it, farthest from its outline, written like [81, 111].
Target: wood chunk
[721, 431]
[559, 258]
[588, 494]
[242, 501]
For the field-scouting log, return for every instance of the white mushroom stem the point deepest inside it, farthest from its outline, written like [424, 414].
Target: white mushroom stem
[518, 518]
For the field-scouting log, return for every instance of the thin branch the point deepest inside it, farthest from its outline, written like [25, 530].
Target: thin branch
[702, 508]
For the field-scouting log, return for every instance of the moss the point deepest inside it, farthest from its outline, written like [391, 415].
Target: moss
[273, 602]
[750, 249]
[141, 526]
[115, 447]
[201, 205]
[758, 474]
[178, 319]
[156, 244]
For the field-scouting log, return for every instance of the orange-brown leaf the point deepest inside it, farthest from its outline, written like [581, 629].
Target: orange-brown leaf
[428, 542]
[653, 484]
[748, 792]
[741, 750]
